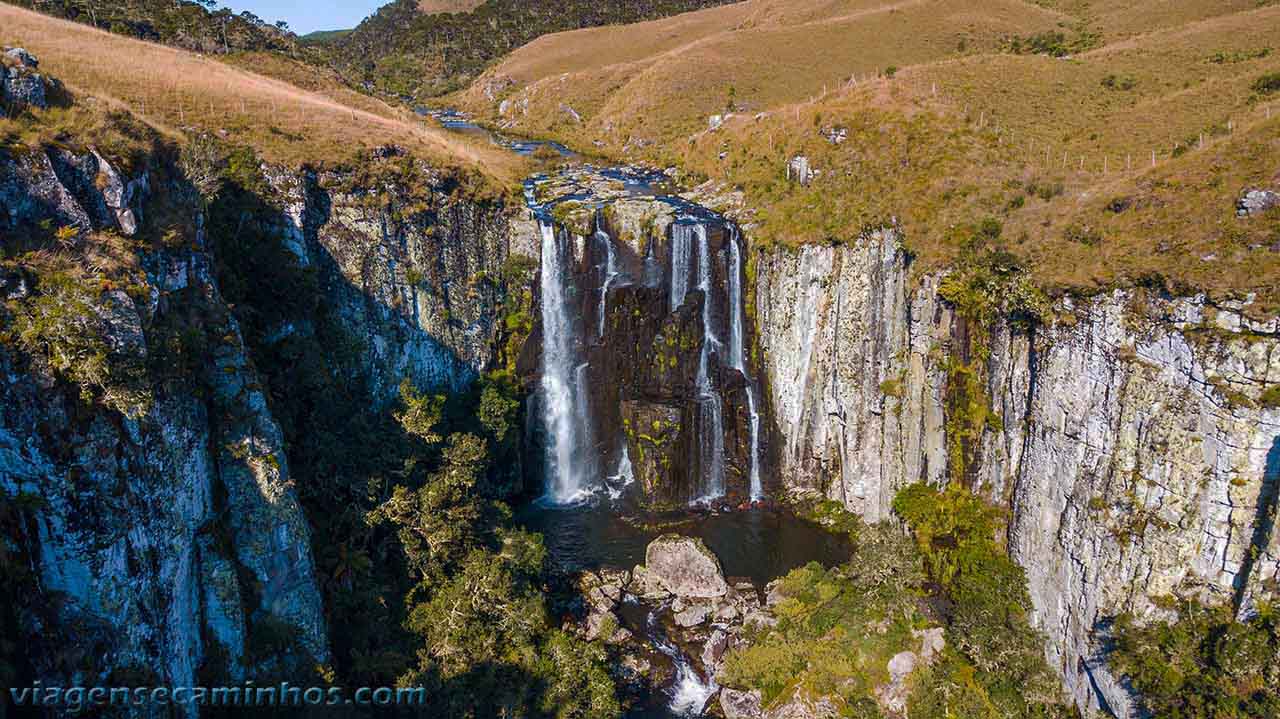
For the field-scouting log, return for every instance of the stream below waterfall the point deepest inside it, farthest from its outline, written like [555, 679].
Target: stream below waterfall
[593, 519]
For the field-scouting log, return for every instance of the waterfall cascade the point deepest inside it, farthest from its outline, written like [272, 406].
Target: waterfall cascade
[710, 414]
[610, 274]
[562, 389]
[690, 692]
[737, 358]
[640, 406]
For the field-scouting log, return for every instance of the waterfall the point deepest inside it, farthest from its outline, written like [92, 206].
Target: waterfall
[563, 401]
[610, 274]
[737, 358]
[689, 692]
[681, 244]
[625, 477]
[711, 421]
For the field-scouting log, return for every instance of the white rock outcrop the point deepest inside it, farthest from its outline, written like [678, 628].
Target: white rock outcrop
[1134, 451]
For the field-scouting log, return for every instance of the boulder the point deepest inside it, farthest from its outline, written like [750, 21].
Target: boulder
[892, 695]
[603, 590]
[714, 650]
[694, 615]
[20, 57]
[801, 706]
[741, 705]
[773, 593]
[1255, 202]
[645, 585]
[799, 170]
[932, 642]
[20, 84]
[685, 567]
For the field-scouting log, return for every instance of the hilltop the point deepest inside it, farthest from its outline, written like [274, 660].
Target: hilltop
[418, 49]
[186, 24]
[1100, 144]
[249, 100]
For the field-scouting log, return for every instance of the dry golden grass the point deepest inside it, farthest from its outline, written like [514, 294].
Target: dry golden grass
[435, 7]
[1119, 18]
[1105, 146]
[1001, 126]
[659, 81]
[175, 91]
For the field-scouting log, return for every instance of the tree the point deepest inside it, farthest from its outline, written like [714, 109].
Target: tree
[421, 413]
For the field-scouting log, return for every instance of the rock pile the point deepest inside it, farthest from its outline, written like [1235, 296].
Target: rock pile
[20, 84]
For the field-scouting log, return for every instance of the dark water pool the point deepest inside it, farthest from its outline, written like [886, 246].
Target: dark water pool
[757, 544]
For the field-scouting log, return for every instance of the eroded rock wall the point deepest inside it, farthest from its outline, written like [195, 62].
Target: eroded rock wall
[1132, 449]
[161, 518]
[412, 271]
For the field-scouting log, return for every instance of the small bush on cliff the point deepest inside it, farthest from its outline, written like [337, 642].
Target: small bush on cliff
[995, 664]
[1267, 84]
[1270, 397]
[65, 323]
[1203, 664]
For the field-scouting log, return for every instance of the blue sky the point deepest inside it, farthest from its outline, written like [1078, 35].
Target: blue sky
[306, 16]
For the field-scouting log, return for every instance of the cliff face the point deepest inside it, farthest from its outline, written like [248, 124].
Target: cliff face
[413, 273]
[160, 514]
[1131, 445]
[156, 497]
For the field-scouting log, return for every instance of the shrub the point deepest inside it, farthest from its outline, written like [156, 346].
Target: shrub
[66, 325]
[1270, 398]
[1203, 664]
[1267, 84]
[821, 641]
[1051, 43]
[1045, 190]
[1119, 82]
[1082, 234]
[994, 656]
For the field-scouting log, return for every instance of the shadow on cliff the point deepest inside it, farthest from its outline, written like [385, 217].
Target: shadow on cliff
[1264, 523]
[319, 343]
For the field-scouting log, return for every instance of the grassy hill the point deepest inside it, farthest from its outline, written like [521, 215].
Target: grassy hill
[182, 23]
[254, 103]
[1109, 141]
[423, 48]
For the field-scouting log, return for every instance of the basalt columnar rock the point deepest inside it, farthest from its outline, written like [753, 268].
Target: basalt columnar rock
[1134, 445]
[162, 525]
[409, 268]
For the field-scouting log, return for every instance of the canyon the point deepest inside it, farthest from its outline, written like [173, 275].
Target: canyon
[1126, 434]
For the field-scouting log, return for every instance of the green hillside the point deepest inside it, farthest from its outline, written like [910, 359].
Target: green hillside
[405, 51]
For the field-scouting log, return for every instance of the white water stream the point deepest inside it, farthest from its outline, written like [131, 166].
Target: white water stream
[737, 359]
[563, 397]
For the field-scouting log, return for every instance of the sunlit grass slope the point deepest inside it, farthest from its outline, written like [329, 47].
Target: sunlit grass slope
[1117, 166]
[178, 92]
